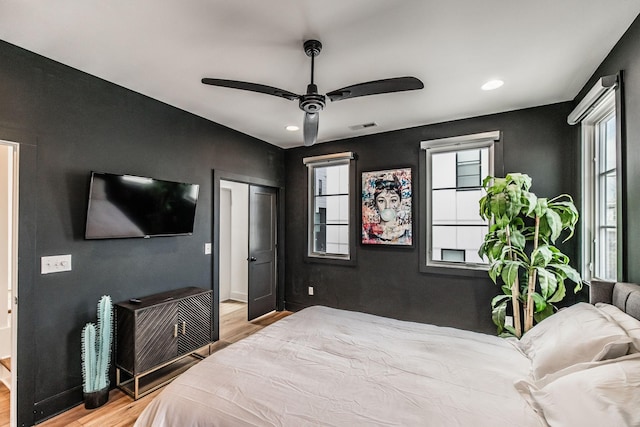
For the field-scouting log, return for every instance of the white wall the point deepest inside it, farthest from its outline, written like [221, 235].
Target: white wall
[225, 244]
[238, 247]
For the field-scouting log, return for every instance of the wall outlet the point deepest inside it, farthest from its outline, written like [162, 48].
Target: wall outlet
[55, 264]
[310, 290]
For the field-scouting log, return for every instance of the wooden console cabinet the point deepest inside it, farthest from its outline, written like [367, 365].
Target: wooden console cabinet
[161, 336]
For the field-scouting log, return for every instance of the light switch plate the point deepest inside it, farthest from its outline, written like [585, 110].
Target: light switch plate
[55, 264]
[207, 248]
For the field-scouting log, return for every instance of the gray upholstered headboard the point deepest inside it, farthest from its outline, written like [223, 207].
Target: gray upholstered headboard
[625, 296]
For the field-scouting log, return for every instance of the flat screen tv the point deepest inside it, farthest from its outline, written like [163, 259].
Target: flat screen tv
[122, 206]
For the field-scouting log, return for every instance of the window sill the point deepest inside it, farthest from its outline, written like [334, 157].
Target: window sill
[329, 260]
[455, 271]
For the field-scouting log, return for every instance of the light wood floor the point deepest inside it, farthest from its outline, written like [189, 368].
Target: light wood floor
[121, 410]
[4, 405]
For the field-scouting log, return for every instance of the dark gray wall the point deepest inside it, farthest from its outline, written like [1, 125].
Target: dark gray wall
[69, 123]
[386, 280]
[625, 57]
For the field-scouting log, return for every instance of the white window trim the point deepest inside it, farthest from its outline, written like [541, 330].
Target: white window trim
[478, 140]
[606, 105]
[311, 163]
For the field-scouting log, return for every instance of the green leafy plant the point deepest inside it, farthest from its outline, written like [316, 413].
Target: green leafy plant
[520, 249]
[96, 348]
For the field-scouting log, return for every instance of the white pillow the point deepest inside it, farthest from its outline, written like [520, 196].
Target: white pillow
[579, 333]
[630, 324]
[605, 395]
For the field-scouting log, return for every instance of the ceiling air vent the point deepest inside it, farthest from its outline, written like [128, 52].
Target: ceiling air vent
[363, 126]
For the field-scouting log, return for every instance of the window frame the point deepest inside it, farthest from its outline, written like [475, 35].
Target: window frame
[312, 163]
[592, 210]
[451, 144]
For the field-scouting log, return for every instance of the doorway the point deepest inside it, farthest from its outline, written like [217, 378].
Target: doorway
[247, 273]
[233, 254]
[8, 271]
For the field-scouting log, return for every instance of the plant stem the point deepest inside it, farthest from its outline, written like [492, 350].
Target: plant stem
[515, 292]
[532, 282]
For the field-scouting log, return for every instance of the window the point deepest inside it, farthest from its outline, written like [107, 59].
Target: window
[600, 195]
[330, 213]
[454, 170]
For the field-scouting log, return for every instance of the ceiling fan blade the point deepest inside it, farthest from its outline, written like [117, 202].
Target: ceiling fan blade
[311, 128]
[252, 87]
[396, 84]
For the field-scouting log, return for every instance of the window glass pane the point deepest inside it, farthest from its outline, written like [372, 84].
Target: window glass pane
[329, 202]
[331, 179]
[610, 199]
[457, 231]
[610, 138]
[453, 255]
[444, 205]
[443, 170]
[320, 238]
[467, 208]
[469, 181]
[471, 237]
[469, 156]
[336, 207]
[337, 239]
[607, 265]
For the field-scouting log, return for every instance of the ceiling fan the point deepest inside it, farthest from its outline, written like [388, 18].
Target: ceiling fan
[312, 102]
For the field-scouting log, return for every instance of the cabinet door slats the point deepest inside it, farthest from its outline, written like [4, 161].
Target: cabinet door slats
[197, 327]
[145, 332]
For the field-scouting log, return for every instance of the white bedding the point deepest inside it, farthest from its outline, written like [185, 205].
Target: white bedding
[329, 367]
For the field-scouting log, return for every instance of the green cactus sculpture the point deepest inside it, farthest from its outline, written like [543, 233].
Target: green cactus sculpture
[96, 348]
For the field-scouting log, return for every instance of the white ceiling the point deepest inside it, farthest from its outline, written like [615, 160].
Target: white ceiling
[544, 50]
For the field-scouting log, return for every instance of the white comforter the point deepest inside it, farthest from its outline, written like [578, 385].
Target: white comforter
[329, 367]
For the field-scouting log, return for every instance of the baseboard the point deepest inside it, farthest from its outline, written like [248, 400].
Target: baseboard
[294, 306]
[238, 296]
[57, 404]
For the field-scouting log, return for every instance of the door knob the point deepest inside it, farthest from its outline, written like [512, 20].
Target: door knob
[252, 259]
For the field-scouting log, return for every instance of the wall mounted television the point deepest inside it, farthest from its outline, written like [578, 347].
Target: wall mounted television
[124, 206]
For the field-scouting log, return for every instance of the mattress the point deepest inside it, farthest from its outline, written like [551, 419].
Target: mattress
[330, 367]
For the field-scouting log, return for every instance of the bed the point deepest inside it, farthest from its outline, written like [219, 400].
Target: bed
[330, 367]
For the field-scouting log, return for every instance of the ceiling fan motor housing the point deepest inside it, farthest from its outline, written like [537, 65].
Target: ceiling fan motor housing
[312, 47]
[312, 101]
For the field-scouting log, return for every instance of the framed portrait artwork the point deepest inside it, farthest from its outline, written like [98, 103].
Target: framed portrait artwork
[386, 207]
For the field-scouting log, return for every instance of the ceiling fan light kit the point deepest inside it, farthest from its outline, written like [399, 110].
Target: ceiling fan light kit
[313, 102]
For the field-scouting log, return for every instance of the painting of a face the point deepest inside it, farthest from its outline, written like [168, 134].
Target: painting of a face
[386, 207]
[388, 200]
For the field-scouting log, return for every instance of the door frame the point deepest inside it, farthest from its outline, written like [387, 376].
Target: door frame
[219, 175]
[14, 149]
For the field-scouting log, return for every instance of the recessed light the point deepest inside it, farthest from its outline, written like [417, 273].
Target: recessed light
[492, 84]
[292, 128]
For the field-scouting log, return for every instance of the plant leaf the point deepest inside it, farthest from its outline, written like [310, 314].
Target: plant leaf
[569, 272]
[540, 302]
[559, 294]
[548, 282]
[518, 239]
[532, 201]
[498, 315]
[498, 299]
[555, 223]
[541, 315]
[510, 272]
[542, 256]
